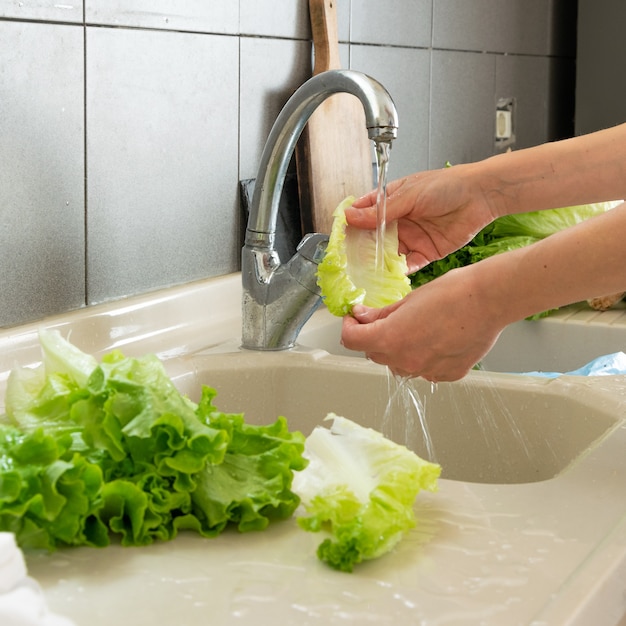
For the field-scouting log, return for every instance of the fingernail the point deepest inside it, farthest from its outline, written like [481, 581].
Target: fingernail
[358, 310]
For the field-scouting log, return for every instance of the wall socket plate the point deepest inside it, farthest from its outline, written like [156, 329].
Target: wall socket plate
[505, 123]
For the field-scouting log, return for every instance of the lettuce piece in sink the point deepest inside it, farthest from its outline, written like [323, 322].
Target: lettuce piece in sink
[348, 274]
[92, 449]
[360, 487]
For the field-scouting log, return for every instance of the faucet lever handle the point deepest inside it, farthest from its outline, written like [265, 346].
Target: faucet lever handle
[313, 247]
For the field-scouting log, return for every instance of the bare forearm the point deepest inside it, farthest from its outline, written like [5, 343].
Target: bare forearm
[589, 168]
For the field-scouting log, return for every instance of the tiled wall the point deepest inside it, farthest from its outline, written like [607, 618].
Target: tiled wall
[600, 89]
[125, 126]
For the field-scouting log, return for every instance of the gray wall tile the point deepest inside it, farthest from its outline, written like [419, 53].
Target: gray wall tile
[211, 16]
[462, 107]
[562, 89]
[175, 119]
[526, 79]
[396, 22]
[543, 88]
[275, 18]
[69, 11]
[344, 55]
[271, 70]
[42, 174]
[343, 19]
[408, 85]
[600, 89]
[162, 159]
[514, 26]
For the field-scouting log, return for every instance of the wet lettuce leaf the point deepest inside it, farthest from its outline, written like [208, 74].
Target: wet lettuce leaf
[348, 273]
[93, 450]
[359, 488]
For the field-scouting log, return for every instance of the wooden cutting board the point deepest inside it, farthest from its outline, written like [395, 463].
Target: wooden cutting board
[334, 153]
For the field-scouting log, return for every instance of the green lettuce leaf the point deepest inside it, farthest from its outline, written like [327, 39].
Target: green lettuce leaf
[252, 485]
[360, 487]
[48, 495]
[112, 448]
[541, 224]
[348, 274]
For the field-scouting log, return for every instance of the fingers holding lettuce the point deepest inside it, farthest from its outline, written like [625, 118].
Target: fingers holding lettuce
[442, 328]
[436, 213]
[438, 331]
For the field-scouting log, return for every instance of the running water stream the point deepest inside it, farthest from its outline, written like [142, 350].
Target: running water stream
[475, 410]
[410, 425]
[404, 400]
[404, 420]
[382, 162]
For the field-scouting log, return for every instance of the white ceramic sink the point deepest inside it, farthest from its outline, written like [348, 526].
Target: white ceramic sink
[528, 527]
[487, 428]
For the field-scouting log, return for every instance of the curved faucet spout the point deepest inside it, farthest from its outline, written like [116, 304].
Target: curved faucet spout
[278, 299]
[381, 120]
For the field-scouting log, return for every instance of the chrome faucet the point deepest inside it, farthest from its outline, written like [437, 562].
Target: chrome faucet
[279, 298]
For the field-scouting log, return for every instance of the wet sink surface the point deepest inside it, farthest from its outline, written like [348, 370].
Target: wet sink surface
[487, 428]
[485, 550]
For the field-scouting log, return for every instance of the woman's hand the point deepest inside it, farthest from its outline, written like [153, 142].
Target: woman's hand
[437, 212]
[442, 329]
[439, 331]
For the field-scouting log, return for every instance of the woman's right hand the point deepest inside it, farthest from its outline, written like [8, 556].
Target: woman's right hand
[437, 211]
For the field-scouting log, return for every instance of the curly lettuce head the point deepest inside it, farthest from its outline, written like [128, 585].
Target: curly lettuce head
[349, 275]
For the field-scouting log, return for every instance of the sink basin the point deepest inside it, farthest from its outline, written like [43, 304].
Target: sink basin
[562, 342]
[528, 525]
[486, 428]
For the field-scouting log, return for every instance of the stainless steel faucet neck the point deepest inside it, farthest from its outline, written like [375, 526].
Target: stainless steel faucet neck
[278, 299]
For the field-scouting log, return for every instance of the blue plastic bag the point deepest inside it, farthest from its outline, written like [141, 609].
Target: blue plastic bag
[602, 366]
